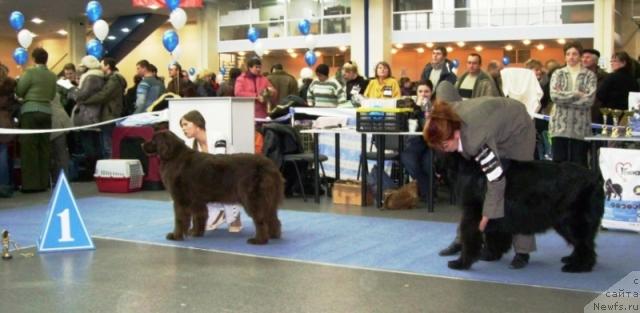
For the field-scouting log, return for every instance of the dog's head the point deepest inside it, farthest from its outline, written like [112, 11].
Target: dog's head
[405, 198]
[165, 144]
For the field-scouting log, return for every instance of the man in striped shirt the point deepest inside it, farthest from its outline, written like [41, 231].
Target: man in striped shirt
[324, 91]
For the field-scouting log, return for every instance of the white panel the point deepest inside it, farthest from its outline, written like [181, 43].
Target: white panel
[295, 42]
[242, 116]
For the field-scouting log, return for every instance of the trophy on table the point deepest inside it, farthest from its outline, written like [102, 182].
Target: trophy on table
[5, 245]
[626, 118]
[605, 112]
[616, 114]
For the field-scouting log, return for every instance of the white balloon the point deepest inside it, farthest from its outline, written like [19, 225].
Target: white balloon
[175, 55]
[25, 38]
[306, 73]
[178, 18]
[258, 48]
[310, 41]
[101, 29]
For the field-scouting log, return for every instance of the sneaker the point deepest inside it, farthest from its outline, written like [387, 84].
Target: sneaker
[217, 222]
[236, 226]
[519, 261]
[452, 249]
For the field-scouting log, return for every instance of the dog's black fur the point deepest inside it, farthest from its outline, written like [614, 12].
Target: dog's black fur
[539, 195]
[195, 178]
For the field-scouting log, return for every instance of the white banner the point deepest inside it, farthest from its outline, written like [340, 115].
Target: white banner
[621, 172]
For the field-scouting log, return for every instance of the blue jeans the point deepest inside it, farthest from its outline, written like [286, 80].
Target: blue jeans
[105, 140]
[415, 159]
[5, 171]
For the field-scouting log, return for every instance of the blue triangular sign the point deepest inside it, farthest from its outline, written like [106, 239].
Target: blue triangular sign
[64, 229]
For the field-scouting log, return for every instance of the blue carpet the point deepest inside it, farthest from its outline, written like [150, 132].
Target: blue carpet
[377, 243]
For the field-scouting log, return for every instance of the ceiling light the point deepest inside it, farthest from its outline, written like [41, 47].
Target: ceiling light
[293, 55]
[478, 48]
[62, 32]
[399, 46]
[37, 20]
[318, 54]
[290, 51]
[394, 50]
[112, 37]
[540, 47]
[342, 48]
[562, 41]
[125, 30]
[266, 52]
[140, 20]
[34, 35]
[508, 47]
[241, 53]
[460, 44]
[153, 7]
[429, 45]
[526, 42]
[420, 50]
[449, 49]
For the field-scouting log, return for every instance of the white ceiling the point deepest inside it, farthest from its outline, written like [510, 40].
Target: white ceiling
[57, 13]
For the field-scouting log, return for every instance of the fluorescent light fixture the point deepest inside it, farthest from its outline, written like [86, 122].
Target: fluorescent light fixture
[111, 37]
[449, 49]
[508, 47]
[62, 32]
[318, 54]
[394, 50]
[478, 48]
[562, 41]
[429, 45]
[242, 53]
[420, 50]
[460, 44]
[125, 30]
[293, 55]
[526, 42]
[290, 51]
[399, 46]
[540, 47]
[342, 48]
[266, 52]
[37, 20]
[140, 20]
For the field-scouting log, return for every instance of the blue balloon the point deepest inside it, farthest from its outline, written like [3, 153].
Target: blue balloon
[192, 71]
[172, 4]
[20, 55]
[223, 71]
[253, 34]
[304, 27]
[506, 60]
[16, 19]
[455, 63]
[170, 40]
[93, 11]
[310, 58]
[94, 48]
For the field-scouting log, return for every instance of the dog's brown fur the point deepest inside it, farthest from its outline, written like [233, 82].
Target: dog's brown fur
[196, 178]
[404, 198]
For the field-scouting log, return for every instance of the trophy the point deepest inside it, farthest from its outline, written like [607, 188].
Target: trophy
[605, 112]
[627, 119]
[5, 245]
[616, 114]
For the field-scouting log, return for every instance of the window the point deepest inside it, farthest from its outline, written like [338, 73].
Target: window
[412, 5]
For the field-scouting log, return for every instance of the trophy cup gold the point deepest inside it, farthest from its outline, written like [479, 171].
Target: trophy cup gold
[616, 114]
[605, 112]
[5, 245]
[626, 120]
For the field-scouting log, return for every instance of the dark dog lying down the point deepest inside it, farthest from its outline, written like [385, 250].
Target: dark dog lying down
[195, 178]
[539, 195]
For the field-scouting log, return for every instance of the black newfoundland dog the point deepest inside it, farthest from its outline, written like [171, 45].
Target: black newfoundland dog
[539, 195]
[195, 178]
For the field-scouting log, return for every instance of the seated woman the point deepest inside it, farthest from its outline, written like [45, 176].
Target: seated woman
[415, 157]
[193, 126]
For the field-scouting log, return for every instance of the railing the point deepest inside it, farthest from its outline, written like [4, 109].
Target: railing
[542, 14]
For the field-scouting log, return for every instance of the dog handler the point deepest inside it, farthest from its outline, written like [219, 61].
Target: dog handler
[485, 129]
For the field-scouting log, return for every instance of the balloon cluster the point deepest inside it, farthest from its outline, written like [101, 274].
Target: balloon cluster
[100, 29]
[304, 26]
[25, 38]
[253, 35]
[170, 39]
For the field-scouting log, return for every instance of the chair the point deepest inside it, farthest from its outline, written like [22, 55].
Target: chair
[391, 142]
[307, 157]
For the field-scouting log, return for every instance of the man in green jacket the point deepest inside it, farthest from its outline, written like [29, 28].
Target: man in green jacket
[110, 98]
[37, 87]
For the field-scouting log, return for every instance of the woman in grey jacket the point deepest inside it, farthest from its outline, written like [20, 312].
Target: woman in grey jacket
[572, 90]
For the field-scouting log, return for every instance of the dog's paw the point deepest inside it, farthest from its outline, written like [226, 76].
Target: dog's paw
[255, 241]
[195, 233]
[459, 265]
[171, 236]
[576, 268]
[567, 259]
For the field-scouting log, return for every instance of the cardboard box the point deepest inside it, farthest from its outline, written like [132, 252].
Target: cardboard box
[349, 192]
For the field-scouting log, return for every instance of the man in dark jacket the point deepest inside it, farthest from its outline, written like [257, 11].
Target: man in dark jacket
[110, 97]
[283, 82]
[439, 69]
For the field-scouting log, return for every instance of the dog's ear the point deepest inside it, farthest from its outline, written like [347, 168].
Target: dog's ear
[167, 144]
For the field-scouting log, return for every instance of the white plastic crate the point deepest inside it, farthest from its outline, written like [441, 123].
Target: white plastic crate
[119, 175]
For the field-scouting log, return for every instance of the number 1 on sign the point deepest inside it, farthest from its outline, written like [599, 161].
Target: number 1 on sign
[65, 227]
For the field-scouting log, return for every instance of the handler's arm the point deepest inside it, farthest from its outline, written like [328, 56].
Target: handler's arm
[493, 206]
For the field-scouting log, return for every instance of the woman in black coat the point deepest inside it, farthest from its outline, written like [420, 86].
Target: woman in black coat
[614, 92]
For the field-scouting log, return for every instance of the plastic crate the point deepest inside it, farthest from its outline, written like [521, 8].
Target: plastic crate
[382, 120]
[119, 176]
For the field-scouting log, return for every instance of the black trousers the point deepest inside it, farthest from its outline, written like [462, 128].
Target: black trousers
[570, 150]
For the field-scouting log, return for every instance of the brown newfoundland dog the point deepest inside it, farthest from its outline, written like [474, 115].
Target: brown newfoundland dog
[195, 178]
